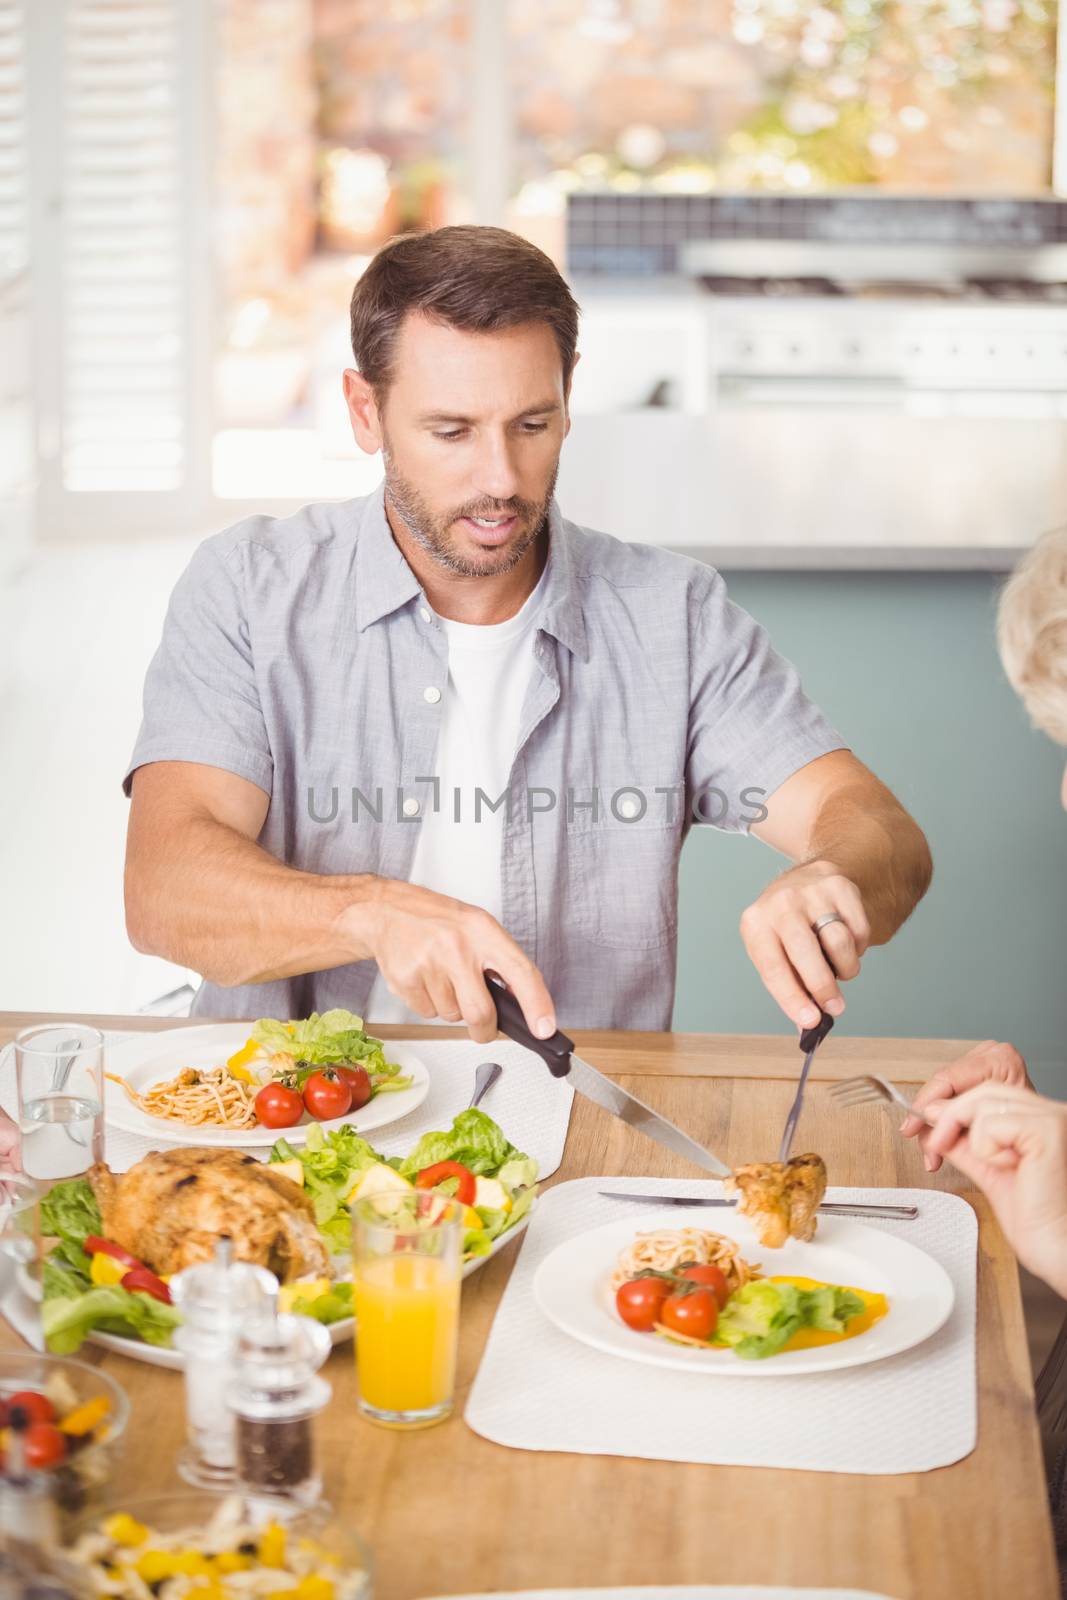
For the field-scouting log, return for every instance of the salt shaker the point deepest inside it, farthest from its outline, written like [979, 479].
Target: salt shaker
[274, 1397]
[216, 1300]
[27, 1507]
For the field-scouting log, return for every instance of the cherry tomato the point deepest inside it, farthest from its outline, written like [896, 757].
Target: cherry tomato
[639, 1302]
[95, 1246]
[358, 1080]
[141, 1281]
[711, 1276]
[326, 1097]
[466, 1187]
[695, 1314]
[44, 1445]
[278, 1106]
[37, 1407]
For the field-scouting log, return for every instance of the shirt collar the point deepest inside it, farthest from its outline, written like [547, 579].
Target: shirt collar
[385, 582]
[561, 608]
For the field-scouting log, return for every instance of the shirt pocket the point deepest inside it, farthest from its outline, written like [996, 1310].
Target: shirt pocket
[625, 880]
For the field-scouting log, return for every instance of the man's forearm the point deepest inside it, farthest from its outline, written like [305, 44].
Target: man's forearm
[880, 848]
[224, 906]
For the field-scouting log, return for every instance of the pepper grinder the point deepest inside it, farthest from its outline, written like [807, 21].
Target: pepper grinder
[275, 1395]
[216, 1300]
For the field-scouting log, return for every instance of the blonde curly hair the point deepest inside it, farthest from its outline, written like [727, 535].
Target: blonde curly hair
[1032, 633]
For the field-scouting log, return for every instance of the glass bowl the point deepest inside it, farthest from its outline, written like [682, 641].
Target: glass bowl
[91, 1459]
[186, 1515]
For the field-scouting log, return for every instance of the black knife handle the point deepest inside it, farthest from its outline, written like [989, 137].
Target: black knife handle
[555, 1052]
[815, 1035]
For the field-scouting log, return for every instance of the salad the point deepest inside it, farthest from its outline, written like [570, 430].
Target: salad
[472, 1162]
[325, 1065]
[229, 1557]
[92, 1284]
[695, 1288]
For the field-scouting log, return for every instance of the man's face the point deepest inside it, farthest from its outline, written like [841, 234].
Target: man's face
[472, 427]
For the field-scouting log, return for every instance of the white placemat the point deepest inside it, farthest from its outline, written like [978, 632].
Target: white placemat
[699, 1591]
[531, 1106]
[538, 1389]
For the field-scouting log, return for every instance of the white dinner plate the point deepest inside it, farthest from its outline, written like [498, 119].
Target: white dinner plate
[572, 1287]
[163, 1356]
[154, 1058]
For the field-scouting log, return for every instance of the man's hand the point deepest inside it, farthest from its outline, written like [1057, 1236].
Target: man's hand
[986, 1063]
[798, 965]
[1012, 1143]
[433, 953]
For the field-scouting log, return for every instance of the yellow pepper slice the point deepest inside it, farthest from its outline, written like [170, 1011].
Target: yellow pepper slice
[272, 1545]
[104, 1269]
[83, 1419]
[155, 1565]
[314, 1588]
[237, 1064]
[125, 1530]
[232, 1561]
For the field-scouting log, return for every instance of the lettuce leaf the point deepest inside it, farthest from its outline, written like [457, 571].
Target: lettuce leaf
[759, 1319]
[336, 1035]
[331, 1162]
[474, 1139]
[334, 1306]
[518, 1172]
[69, 1212]
[67, 1321]
[830, 1308]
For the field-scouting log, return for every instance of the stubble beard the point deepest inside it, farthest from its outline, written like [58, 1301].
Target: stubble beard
[431, 533]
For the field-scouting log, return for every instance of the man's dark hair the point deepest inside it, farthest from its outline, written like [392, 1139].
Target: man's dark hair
[477, 279]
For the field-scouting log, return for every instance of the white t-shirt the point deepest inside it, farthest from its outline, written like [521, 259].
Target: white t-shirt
[488, 673]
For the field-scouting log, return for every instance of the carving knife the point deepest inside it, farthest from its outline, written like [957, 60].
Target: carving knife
[558, 1055]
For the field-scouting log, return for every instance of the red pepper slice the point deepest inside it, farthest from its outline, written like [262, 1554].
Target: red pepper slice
[142, 1280]
[430, 1177]
[103, 1247]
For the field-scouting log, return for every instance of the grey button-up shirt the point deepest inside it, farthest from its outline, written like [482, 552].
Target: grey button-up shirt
[297, 653]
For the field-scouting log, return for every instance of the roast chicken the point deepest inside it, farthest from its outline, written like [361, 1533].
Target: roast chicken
[781, 1197]
[171, 1209]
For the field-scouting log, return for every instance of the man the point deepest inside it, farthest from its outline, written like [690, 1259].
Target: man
[391, 744]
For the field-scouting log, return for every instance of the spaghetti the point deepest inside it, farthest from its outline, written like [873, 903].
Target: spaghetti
[196, 1097]
[668, 1248]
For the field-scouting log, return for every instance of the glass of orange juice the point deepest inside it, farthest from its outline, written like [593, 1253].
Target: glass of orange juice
[406, 1269]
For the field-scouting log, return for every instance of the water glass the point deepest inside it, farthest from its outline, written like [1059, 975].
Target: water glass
[18, 1200]
[59, 1067]
[406, 1269]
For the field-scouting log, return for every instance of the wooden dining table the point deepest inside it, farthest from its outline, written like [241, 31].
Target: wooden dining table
[446, 1512]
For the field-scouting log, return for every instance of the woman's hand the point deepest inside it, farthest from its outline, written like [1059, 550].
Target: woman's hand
[1012, 1143]
[10, 1143]
[986, 1063]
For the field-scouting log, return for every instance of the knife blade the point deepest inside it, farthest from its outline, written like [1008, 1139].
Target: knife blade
[558, 1055]
[838, 1208]
[810, 1040]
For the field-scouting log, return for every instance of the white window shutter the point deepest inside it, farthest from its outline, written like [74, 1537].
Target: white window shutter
[122, 250]
[14, 174]
[16, 381]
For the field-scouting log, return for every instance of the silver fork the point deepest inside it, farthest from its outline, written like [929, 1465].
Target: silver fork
[868, 1088]
[484, 1079]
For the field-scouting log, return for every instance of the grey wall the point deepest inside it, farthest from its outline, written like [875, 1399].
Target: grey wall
[905, 665]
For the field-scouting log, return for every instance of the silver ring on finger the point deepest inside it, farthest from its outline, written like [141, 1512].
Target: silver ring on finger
[824, 921]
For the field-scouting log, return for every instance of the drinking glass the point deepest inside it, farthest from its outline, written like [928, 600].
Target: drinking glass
[60, 1071]
[18, 1199]
[406, 1268]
